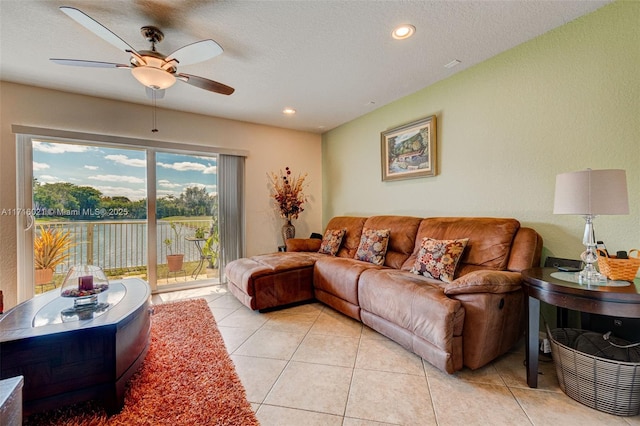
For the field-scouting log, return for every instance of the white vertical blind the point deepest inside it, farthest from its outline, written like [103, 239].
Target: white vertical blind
[231, 205]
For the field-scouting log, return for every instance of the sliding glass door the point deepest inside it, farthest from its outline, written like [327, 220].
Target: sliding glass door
[90, 208]
[187, 219]
[133, 211]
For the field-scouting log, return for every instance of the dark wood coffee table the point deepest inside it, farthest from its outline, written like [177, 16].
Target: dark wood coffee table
[539, 285]
[65, 359]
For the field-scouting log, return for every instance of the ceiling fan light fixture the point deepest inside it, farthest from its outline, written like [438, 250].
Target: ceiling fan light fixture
[155, 78]
[150, 67]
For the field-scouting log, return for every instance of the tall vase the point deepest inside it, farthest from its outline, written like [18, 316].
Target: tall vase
[288, 231]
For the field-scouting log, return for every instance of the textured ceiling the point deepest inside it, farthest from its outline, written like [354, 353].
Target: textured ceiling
[332, 61]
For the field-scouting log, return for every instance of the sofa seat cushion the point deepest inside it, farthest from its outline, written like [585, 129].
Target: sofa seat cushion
[339, 276]
[282, 261]
[244, 272]
[272, 280]
[413, 302]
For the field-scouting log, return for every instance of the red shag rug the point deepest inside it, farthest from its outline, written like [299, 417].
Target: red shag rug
[187, 378]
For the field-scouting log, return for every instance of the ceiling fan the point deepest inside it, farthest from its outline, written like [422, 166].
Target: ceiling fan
[154, 70]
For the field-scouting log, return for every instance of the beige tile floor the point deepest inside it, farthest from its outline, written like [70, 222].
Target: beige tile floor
[310, 365]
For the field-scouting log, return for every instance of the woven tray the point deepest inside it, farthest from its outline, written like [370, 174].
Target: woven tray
[619, 269]
[603, 384]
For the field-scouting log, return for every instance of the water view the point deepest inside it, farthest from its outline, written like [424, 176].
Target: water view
[90, 206]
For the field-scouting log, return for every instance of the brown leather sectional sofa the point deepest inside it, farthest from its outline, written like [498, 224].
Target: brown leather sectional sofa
[469, 321]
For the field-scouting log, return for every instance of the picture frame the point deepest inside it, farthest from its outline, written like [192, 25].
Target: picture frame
[409, 151]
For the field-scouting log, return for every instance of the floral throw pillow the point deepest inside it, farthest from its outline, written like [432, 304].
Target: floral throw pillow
[331, 241]
[373, 245]
[438, 258]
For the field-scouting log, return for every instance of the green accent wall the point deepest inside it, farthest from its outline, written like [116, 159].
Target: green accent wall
[567, 100]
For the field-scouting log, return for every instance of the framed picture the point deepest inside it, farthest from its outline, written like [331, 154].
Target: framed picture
[409, 151]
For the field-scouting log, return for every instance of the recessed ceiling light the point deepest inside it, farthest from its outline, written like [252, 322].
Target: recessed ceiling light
[403, 31]
[289, 111]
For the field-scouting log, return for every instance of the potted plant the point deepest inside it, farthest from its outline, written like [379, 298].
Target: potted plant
[210, 248]
[50, 249]
[199, 232]
[174, 260]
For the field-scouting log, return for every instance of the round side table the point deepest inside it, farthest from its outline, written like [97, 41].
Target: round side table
[542, 284]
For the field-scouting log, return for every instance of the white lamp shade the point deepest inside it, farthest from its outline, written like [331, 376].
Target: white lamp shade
[591, 192]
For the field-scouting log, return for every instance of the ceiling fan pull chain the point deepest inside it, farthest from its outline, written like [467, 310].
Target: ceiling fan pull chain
[154, 119]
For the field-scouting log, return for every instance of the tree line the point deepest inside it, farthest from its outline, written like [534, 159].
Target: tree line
[72, 202]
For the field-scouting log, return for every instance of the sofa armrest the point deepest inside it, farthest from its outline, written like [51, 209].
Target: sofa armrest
[303, 244]
[485, 281]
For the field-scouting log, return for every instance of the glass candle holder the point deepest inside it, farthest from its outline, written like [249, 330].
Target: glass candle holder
[84, 281]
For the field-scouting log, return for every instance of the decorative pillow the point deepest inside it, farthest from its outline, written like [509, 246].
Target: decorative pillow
[331, 241]
[373, 245]
[438, 258]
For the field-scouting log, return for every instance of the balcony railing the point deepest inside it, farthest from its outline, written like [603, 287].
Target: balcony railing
[122, 245]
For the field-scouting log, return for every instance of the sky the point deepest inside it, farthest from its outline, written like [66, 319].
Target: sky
[121, 172]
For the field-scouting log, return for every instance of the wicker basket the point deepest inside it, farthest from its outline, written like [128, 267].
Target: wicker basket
[619, 269]
[603, 384]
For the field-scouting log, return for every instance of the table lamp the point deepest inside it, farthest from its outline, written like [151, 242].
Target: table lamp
[590, 193]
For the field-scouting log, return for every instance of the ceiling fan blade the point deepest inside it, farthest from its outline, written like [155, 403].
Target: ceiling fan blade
[93, 64]
[195, 52]
[151, 93]
[96, 27]
[206, 84]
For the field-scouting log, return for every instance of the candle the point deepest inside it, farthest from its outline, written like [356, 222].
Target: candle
[85, 283]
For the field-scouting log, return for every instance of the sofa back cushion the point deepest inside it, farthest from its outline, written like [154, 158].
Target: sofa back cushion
[402, 237]
[351, 239]
[489, 243]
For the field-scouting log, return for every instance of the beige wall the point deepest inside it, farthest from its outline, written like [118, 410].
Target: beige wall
[269, 148]
[566, 101]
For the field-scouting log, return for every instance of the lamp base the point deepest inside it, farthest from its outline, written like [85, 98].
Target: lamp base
[591, 277]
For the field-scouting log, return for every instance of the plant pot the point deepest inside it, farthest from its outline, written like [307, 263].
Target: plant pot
[174, 262]
[43, 276]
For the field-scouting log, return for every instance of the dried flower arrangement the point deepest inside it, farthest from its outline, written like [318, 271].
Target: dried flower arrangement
[287, 193]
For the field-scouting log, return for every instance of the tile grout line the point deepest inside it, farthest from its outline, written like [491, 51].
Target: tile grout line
[353, 371]
[520, 405]
[504, 372]
[426, 376]
[512, 394]
[286, 365]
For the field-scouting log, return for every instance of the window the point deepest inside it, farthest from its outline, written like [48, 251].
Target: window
[124, 207]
